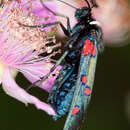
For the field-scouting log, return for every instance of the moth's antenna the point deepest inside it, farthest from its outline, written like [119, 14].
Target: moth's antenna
[88, 4]
[94, 3]
[67, 4]
[47, 8]
[54, 13]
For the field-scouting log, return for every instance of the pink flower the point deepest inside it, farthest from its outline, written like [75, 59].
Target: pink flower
[44, 16]
[20, 48]
[114, 18]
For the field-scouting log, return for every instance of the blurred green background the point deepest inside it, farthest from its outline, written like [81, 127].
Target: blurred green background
[107, 110]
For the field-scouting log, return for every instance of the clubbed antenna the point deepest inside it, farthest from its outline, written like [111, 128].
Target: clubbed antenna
[88, 4]
[54, 13]
[67, 4]
[94, 4]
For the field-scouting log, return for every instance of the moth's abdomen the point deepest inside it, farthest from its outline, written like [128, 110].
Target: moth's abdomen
[61, 94]
[64, 97]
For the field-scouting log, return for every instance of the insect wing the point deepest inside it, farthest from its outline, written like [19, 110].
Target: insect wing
[84, 84]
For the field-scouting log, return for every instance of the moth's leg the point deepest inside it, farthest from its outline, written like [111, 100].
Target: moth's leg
[66, 32]
[60, 15]
[38, 82]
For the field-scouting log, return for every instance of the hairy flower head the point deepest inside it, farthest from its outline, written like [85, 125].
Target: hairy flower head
[20, 49]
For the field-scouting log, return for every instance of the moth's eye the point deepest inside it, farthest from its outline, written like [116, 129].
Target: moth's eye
[85, 12]
[78, 12]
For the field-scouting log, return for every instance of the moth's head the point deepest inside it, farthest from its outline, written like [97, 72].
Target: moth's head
[85, 12]
[82, 13]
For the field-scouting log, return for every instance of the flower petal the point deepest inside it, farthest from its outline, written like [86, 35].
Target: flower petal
[44, 15]
[35, 71]
[13, 90]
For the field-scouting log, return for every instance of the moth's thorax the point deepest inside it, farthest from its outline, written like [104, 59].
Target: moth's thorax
[97, 23]
[82, 13]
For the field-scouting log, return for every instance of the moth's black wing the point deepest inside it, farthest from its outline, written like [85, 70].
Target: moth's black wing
[84, 84]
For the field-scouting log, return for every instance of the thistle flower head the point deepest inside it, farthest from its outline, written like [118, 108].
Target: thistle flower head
[20, 49]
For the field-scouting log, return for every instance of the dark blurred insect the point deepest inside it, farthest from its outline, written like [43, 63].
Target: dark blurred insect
[72, 89]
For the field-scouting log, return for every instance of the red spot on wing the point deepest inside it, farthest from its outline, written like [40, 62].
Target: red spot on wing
[87, 91]
[84, 79]
[87, 47]
[75, 110]
[94, 51]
